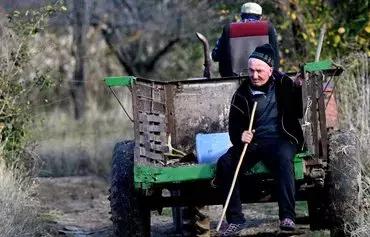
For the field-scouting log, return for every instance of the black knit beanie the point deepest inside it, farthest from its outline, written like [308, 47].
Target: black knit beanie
[264, 53]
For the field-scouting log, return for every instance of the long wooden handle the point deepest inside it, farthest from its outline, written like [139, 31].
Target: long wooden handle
[237, 170]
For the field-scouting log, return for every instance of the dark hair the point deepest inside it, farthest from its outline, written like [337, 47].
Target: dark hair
[249, 15]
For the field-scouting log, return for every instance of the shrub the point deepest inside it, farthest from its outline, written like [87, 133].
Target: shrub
[353, 94]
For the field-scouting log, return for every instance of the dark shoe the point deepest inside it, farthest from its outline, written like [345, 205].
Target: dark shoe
[287, 224]
[214, 183]
[233, 229]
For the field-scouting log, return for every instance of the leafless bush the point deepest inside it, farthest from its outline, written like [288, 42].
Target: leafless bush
[353, 94]
[83, 148]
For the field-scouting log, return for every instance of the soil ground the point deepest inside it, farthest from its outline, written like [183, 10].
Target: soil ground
[78, 206]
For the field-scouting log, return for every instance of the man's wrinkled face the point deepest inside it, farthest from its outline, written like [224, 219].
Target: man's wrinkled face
[259, 71]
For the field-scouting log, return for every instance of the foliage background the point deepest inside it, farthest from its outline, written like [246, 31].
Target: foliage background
[51, 49]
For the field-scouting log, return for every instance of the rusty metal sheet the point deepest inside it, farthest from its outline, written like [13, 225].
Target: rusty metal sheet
[189, 107]
[201, 108]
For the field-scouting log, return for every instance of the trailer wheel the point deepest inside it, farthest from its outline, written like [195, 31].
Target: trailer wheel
[130, 214]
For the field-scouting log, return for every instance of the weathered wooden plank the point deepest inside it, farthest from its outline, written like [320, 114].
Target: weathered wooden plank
[153, 138]
[306, 100]
[170, 113]
[146, 106]
[153, 146]
[151, 92]
[314, 123]
[136, 126]
[146, 128]
[322, 118]
[158, 147]
[307, 119]
[157, 118]
[152, 155]
[155, 156]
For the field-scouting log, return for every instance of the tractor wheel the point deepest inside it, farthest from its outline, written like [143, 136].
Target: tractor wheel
[130, 215]
[341, 183]
[196, 221]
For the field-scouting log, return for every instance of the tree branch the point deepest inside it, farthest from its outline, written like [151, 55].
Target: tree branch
[127, 5]
[129, 68]
[149, 64]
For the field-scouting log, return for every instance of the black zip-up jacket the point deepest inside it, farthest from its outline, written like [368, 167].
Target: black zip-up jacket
[290, 110]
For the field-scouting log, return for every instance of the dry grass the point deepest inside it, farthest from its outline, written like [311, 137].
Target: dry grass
[68, 147]
[18, 208]
[353, 94]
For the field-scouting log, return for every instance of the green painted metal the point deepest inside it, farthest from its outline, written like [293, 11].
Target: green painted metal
[119, 81]
[318, 66]
[146, 176]
[260, 168]
[127, 80]
[299, 165]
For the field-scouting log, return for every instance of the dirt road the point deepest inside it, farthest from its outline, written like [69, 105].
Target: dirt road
[78, 206]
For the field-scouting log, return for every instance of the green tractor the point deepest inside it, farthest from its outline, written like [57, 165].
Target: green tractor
[168, 116]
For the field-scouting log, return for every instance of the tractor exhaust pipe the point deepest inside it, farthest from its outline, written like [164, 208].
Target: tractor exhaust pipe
[207, 60]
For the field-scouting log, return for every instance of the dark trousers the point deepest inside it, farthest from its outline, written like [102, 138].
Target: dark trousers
[277, 155]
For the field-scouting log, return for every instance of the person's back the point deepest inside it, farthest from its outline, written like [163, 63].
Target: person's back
[238, 40]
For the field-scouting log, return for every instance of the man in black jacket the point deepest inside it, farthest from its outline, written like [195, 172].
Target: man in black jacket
[276, 136]
[239, 39]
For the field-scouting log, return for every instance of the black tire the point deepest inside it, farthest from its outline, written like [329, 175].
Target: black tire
[130, 214]
[342, 186]
[196, 222]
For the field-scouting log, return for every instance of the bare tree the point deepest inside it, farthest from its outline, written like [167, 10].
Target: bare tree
[78, 92]
[141, 32]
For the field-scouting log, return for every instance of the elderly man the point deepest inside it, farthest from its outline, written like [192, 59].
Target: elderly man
[239, 39]
[276, 137]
